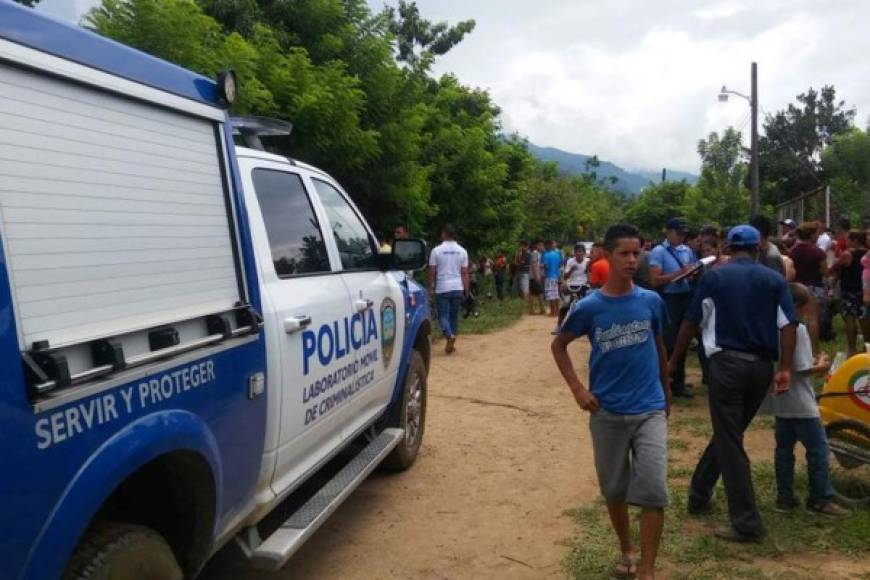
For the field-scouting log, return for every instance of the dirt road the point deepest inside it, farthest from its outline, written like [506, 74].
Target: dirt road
[505, 452]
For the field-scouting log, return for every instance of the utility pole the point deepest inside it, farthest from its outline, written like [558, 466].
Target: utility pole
[753, 102]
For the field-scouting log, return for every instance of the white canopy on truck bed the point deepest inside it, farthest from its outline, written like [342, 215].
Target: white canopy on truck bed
[113, 211]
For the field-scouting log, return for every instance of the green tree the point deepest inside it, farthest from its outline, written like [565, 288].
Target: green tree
[720, 197]
[357, 87]
[847, 164]
[656, 204]
[791, 149]
[419, 41]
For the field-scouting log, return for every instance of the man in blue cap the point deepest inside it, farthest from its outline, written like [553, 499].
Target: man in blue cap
[667, 261]
[744, 311]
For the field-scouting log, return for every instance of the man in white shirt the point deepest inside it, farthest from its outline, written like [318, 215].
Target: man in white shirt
[448, 282]
[576, 266]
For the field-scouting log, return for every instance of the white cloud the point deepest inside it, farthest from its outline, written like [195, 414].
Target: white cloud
[718, 11]
[637, 83]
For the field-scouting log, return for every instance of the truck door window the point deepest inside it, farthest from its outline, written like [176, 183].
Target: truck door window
[294, 234]
[351, 236]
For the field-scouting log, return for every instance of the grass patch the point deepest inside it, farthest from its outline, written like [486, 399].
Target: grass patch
[494, 315]
[678, 471]
[689, 549]
[697, 426]
[763, 422]
[832, 347]
[678, 444]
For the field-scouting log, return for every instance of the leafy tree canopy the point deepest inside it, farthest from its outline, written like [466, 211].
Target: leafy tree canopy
[847, 164]
[791, 149]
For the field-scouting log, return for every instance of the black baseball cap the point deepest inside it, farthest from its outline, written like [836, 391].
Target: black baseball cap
[677, 224]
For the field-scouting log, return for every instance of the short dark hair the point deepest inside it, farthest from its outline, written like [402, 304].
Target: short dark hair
[579, 246]
[449, 231]
[859, 236]
[799, 293]
[845, 224]
[709, 231]
[619, 232]
[806, 230]
[761, 223]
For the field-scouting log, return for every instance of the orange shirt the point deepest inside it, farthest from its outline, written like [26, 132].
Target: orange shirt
[599, 272]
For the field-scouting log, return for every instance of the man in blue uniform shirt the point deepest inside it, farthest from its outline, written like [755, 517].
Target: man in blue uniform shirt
[667, 261]
[745, 311]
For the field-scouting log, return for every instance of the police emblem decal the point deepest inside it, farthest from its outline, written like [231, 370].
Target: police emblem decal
[388, 330]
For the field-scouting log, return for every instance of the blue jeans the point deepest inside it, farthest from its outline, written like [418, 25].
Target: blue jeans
[449, 304]
[811, 434]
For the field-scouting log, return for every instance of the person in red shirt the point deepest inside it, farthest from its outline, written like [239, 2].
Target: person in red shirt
[599, 268]
[498, 271]
[810, 265]
[842, 236]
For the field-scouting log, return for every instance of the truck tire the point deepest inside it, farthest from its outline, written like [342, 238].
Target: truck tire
[115, 551]
[411, 416]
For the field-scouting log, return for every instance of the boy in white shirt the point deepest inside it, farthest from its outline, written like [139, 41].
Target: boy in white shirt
[448, 283]
[797, 419]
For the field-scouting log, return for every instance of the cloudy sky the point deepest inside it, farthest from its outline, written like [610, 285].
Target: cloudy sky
[635, 82]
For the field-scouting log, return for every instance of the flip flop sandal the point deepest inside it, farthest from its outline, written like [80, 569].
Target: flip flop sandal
[625, 568]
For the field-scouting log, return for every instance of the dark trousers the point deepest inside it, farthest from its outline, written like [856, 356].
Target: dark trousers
[738, 387]
[676, 306]
[499, 284]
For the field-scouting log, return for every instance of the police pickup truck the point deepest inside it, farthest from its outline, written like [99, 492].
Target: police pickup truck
[192, 335]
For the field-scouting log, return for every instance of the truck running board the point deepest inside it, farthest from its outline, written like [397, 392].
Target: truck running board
[275, 550]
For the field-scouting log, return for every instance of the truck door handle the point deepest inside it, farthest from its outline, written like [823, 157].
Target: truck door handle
[296, 323]
[364, 304]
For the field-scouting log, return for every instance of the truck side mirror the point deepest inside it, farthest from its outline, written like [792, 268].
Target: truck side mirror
[408, 254]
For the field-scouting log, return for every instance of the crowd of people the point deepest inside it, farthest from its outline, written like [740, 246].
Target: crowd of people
[756, 307]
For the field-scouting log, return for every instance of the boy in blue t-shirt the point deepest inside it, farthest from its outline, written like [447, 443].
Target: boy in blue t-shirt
[629, 398]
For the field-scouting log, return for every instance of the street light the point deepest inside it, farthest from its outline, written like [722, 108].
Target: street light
[753, 105]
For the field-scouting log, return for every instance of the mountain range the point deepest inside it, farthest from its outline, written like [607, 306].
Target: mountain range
[627, 182]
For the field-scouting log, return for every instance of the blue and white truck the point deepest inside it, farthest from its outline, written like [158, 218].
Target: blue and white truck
[192, 334]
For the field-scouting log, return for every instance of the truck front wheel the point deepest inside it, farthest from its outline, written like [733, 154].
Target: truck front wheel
[115, 551]
[411, 416]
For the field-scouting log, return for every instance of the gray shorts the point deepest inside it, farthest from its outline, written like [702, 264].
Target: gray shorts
[524, 283]
[631, 457]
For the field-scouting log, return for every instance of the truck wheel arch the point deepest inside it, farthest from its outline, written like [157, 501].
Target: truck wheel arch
[422, 343]
[170, 444]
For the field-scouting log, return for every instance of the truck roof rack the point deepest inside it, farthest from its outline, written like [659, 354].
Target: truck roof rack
[251, 128]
